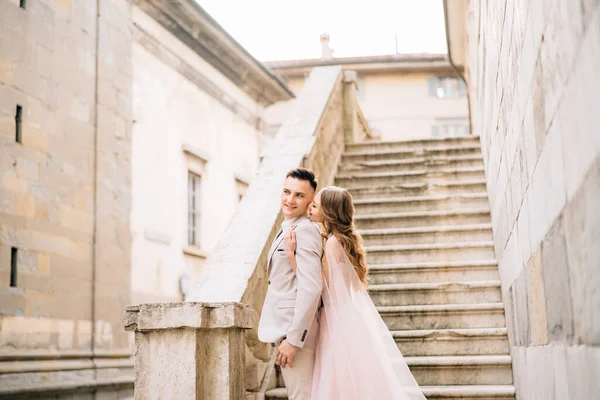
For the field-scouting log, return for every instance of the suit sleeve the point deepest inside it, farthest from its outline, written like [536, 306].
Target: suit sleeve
[309, 249]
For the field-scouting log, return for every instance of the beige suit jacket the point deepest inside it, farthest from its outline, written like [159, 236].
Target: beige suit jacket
[291, 306]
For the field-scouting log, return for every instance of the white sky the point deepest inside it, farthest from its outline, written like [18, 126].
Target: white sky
[283, 29]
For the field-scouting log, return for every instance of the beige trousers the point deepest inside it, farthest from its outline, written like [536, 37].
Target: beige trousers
[298, 379]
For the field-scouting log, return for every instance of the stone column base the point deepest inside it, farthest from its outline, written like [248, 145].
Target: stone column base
[189, 350]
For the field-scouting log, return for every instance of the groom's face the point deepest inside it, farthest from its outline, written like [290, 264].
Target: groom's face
[295, 197]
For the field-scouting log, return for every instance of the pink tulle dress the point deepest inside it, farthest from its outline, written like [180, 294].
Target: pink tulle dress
[356, 356]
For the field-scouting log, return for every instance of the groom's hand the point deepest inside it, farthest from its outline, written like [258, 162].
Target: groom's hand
[285, 354]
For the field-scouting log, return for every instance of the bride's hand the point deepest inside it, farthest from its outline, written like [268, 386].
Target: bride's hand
[290, 244]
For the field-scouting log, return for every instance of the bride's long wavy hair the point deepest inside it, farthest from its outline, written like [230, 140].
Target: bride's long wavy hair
[338, 220]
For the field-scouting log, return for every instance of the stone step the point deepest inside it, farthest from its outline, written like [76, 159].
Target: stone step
[363, 179]
[457, 271]
[427, 234]
[53, 385]
[423, 218]
[435, 293]
[410, 253]
[421, 203]
[455, 370]
[427, 143]
[379, 154]
[443, 316]
[277, 393]
[470, 392]
[447, 342]
[461, 370]
[430, 164]
[419, 189]
[454, 392]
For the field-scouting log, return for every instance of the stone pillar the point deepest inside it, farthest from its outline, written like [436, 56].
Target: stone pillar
[350, 106]
[356, 127]
[189, 350]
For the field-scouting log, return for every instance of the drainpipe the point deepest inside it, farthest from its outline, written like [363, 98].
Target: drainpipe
[95, 196]
[454, 67]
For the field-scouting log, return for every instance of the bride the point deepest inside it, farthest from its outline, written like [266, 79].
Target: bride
[356, 356]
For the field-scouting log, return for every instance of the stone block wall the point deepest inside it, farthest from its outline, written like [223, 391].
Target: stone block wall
[64, 188]
[533, 67]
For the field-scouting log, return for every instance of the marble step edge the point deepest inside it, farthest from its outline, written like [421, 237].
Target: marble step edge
[458, 361]
[63, 387]
[449, 334]
[473, 391]
[400, 287]
[430, 213]
[449, 392]
[441, 308]
[433, 265]
[414, 199]
[421, 172]
[431, 161]
[425, 229]
[429, 246]
[421, 185]
[468, 138]
[30, 366]
[416, 150]
[55, 354]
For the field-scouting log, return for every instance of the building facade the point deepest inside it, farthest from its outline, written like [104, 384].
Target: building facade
[197, 138]
[65, 194]
[402, 96]
[128, 131]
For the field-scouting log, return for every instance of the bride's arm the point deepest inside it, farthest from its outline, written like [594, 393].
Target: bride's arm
[290, 248]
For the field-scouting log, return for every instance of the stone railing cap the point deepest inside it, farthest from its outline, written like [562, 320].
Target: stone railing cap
[158, 316]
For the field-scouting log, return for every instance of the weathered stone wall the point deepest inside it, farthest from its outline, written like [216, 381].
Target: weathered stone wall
[534, 85]
[64, 190]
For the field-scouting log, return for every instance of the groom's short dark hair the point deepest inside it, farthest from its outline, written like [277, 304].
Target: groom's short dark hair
[303, 174]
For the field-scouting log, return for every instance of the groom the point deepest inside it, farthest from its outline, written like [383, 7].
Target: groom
[289, 314]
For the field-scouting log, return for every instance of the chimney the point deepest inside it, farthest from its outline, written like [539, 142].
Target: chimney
[326, 51]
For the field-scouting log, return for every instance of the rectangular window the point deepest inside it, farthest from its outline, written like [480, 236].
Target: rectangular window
[194, 204]
[22, 3]
[13, 266]
[443, 87]
[18, 128]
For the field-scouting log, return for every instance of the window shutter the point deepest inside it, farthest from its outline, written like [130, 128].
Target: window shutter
[433, 86]
[462, 87]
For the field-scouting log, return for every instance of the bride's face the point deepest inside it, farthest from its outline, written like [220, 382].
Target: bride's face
[315, 214]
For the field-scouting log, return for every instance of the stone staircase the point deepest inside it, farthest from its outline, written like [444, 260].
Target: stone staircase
[423, 212]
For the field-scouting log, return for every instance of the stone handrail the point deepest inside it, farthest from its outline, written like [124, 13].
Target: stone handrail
[324, 117]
